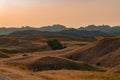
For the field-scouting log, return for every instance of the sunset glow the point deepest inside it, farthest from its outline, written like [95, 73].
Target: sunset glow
[74, 13]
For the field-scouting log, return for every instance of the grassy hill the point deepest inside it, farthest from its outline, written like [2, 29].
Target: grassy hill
[104, 52]
[32, 43]
[50, 63]
[78, 75]
[83, 59]
[3, 55]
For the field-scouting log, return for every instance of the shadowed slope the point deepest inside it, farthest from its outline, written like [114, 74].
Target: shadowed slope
[50, 63]
[104, 52]
[115, 69]
[3, 55]
[55, 63]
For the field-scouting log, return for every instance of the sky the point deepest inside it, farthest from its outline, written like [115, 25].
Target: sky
[71, 13]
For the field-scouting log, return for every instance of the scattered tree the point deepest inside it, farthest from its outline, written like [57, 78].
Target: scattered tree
[98, 64]
[55, 44]
[24, 55]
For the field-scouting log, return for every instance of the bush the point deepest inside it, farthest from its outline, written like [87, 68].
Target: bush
[24, 55]
[55, 44]
[98, 64]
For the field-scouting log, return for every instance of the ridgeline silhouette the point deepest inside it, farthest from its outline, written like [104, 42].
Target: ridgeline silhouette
[101, 29]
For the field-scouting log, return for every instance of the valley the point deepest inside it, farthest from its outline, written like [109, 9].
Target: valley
[28, 57]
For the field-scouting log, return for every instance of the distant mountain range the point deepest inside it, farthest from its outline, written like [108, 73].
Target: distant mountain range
[90, 30]
[53, 28]
[115, 30]
[69, 32]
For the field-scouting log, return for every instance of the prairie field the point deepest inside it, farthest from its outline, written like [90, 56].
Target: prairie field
[30, 58]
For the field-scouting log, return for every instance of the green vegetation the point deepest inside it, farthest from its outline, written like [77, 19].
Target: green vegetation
[55, 44]
[98, 64]
[24, 55]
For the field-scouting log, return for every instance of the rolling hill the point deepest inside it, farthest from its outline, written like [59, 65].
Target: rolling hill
[104, 52]
[3, 55]
[50, 63]
[28, 57]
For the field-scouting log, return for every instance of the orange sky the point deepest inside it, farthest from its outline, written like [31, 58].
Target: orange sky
[76, 13]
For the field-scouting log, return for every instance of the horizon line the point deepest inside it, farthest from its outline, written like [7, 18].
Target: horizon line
[55, 24]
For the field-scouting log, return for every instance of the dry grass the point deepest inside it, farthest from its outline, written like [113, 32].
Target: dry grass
[33, 43]
[3, 55]
[78, 75]
[50, 63]
[16, 74]
[98, 52]
[19, 67]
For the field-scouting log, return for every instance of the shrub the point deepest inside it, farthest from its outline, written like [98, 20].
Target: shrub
[24, 55]
[98, 64]
[55, 44]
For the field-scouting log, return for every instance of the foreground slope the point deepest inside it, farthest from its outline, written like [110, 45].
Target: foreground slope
[50, 63]
[16, 74]
[55, 65]
[78, 75]
[3, 55]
